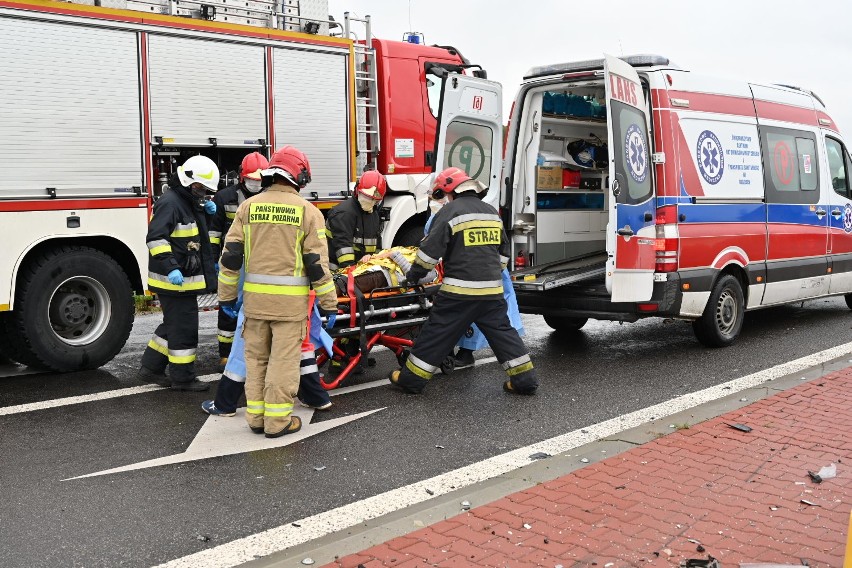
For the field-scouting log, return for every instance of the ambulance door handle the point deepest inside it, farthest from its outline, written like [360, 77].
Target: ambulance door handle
[648, 217]
[820, 213]
[626, 231]
[836, 213]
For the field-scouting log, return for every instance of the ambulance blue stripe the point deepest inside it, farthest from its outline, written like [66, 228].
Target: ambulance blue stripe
[723, 213]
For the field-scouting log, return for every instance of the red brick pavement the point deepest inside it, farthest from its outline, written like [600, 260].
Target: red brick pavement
[737, 494]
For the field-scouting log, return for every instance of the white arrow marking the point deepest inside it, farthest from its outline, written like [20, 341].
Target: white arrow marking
[226, 436]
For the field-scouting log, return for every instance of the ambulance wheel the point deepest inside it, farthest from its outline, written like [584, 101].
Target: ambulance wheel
[565, 324]
[410, 237]
[722, 320]
[848, 300]
[73, 310]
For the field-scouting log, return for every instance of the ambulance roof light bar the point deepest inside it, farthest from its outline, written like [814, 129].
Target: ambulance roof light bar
[593, 64]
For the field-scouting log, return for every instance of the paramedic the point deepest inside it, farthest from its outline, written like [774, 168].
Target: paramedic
[227, 202]
[180, 266]
[354, 229]
[472, 339]
[469, 236]
[278, 237]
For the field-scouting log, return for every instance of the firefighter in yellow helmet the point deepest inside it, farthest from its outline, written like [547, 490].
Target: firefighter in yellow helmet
[280, 237]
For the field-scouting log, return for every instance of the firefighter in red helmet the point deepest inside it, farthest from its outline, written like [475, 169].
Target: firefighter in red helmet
[354, 232]
[280, 238]
[468, 235]
[227, 202]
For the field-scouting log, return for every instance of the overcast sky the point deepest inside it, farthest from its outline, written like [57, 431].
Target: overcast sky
[808, 44]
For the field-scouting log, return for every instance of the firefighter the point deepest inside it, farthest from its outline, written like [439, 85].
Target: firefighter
[227, 202]
[354, 226]
[279, 237]
[180, 266]
[468, 234]
[354, 229]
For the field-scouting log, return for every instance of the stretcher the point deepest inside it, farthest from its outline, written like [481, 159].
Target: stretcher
[376, 307]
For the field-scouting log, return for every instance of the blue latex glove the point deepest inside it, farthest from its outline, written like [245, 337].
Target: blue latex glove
[229, 310]
[209, 207]
[216, 266]
[329, 321]
[176, 277]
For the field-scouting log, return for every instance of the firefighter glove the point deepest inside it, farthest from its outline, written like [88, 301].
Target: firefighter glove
[209, 207]
[176, 277]
[229, 309]
[329, 320]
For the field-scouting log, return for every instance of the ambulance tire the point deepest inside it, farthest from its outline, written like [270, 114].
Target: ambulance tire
[848, 298]
[88, 302]
[565, 324]
[409, 237]
[722, 320]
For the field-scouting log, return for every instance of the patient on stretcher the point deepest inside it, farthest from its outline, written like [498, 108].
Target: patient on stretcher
[382, 270]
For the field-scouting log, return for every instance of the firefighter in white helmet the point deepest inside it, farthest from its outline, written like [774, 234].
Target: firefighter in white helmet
[280, 237]
[180, 266]
[468, 235]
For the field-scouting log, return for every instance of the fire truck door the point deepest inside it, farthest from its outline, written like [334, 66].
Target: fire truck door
[469, 133]
[631, 231]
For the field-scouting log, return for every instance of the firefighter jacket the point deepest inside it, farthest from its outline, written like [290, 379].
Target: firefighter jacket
[177, 239]
[353, 232]
[469, 236]
[281, 239]
[226, 202]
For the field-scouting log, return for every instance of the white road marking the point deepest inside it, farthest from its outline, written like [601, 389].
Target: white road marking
[285, 536]
[221, 436]
[105, 395]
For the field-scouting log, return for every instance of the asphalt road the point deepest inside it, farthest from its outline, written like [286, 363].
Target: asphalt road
[152, 515]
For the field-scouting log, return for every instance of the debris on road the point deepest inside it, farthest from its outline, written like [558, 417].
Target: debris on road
[740, 427]
[202, 538]
[806, 502]
[527, 526]
[430, 492]
[439, 447]
[308, 561]
[465, 505]
[320, 468]
[539, 456]
[585, 460]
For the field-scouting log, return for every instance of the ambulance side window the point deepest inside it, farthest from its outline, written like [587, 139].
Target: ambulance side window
[791, 166]
[838, 166]
[468, 147]
[632, 157]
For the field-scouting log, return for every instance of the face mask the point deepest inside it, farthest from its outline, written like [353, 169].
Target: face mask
[436, 204]
[198, 192]
[367, 203]
[252, 185]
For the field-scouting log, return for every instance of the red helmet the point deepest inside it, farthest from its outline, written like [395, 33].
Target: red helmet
[290, 163]
[447, 181]
[372, 184]
[252, 165]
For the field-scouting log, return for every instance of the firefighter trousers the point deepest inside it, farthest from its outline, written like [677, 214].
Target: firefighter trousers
[232, 384]
[225, 333]
[175, 340]
[449, 318]
[273, 358]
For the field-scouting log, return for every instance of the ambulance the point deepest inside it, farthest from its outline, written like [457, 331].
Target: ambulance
[632, 188]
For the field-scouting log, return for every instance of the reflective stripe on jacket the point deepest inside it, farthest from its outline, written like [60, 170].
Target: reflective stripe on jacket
[279, 237]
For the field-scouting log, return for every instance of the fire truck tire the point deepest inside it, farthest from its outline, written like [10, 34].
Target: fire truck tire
[722, 320]
[565, 324]
[848, 300]
[73, 310]
[410, 237]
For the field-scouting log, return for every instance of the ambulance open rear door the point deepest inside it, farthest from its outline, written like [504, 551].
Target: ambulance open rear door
[470, 126]
[631, 232]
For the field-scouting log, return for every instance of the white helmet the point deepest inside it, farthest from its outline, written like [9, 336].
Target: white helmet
[200, 169]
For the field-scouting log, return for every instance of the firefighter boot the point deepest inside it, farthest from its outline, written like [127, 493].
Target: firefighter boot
[294, 426]
[146, 375]
[510, 388]
[393, 377]
[193, 386]
[463, 359]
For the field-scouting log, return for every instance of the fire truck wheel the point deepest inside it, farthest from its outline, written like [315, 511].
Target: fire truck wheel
[565, 324]
[411, 237]
[73, 310]
[722, 320]
[849, 300]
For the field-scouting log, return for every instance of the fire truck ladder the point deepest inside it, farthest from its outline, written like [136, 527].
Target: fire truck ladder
[366, 94]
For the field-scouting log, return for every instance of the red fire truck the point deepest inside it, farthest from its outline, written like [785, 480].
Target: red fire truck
[100, 103]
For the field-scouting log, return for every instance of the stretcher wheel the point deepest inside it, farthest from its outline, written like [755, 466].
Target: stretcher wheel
[448, 365]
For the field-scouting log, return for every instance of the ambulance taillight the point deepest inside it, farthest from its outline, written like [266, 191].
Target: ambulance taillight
[666, 243]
